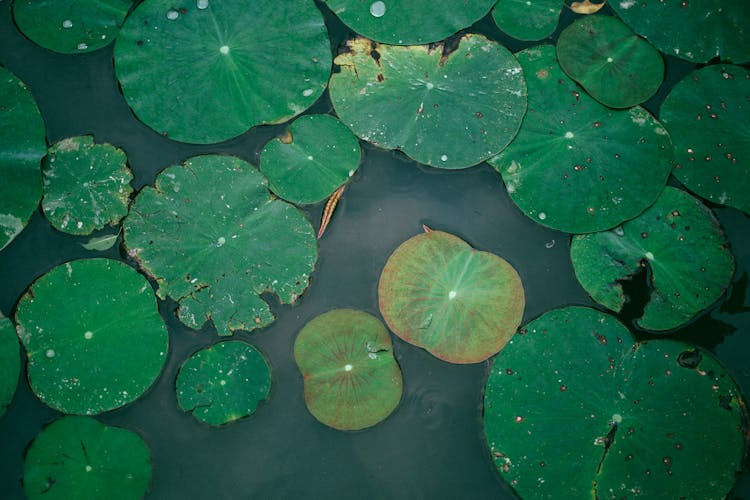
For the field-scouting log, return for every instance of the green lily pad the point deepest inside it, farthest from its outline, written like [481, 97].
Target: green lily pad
[317, 156]
[460, 304]
[10, 362]
[70, 26]
[209, 70]
[449, 111]
[695, 30]
[681, 243]
[706, 114]
[527, 19]
[77, 457]
[617, 67]
[214, 239]
[574, 405]
[576, 165]
[93, 336]
[22, 147]
[351, 378]
[86, 185]
[223, 383]
[408, 22]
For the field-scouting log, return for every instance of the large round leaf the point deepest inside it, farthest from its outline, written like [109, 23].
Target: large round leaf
[447, 111]
[22, 147]
[409, 22]
[214, 239]
[460, 304]
[616, 66]
[527, 19]
[209, 71]
[682, 244]
[573, 405]
[352, 380]
[86, 185]
[706, 115]
[70, 26]
[575, 165]
[10, 362]
[93, 336]
[77, 457]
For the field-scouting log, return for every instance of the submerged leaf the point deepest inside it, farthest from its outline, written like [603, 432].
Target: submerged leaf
[101, 243]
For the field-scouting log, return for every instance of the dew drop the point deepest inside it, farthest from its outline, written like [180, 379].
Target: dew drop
[202, 4]
[307, 92]
[89, 468]
[348, 367]
[82, 46]
[444, 158]
[452, 294]
[429, 85]
[224, 49]
[50, 353]
[88, 335]
[542, 215]
[377, 9]
[569, 135]
[67, 24]
[172, 14]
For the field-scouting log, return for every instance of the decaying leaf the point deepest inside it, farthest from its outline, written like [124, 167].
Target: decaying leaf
[586, 7]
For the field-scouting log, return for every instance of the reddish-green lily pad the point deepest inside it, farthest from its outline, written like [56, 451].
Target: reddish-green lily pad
[10, 362]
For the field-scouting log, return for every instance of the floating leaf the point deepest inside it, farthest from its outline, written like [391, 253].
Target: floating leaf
[10, 363]
[101, 243]
[616, 66]
[460, 304]
[447, 111]
[214, 239]
[93, 336]
[223, 383]
[86, 185]
[328, 210]
[77, 457]
[706, 114]
[23, 146]
[657, 419]
[575, 165]
[352, 380]
[208, 71]
[527, 19]
[586, 7]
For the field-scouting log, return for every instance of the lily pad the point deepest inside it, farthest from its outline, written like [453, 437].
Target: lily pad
[209, 70]
[86, 185]
[574, 405]
[352, 380]
[10, 363]
[527, 19]
[706, 115]
[408, 22]
[460, 304]
[77, 457]
[23, 146]
[616, 66]
[317, 155]
[576, 165]
[695, 30]
[214, 239]
[70, 26]
[93, 336]
[684, 248]
[223, 383]
[447, 111]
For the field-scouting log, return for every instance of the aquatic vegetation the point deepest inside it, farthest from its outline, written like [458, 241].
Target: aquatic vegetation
[527, 19]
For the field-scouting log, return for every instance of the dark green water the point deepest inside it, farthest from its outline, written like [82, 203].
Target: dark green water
[432, 446]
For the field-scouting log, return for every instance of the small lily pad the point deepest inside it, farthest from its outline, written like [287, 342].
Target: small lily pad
[214, 239]
[352, 380]
[23, 146]
[317, 155]
[93, 336]
[224, 382]
[574, 405]
[10, 362]
[77, 457]
[445, 110]
[527, 19]
[683, 246]
[86, 185]
[460, 304]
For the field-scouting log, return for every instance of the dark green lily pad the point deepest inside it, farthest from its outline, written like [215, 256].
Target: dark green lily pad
[224, 382]
[207, 71]
[576, 165]
[695, 30]
[527, 19]
[10, 362]
[706, 115]
[214, 239]
[352, 380]
[449, 111]
[23, 146]
[93, 336]
[77, 457]
[408, 22]
[617, 67]
[86, 185]
[317, 156]
[460, 304]
[684, 248]
[574, 405]
[70, 26]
